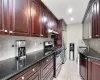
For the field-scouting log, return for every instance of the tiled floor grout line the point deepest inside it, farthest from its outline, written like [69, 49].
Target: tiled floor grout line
[69, 71]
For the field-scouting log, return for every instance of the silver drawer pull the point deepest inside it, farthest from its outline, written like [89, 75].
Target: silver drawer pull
[23, 78]
[97, 35]
[41, 35]
[5, 31]
[33, 70]
[47, 60]
[11, 32]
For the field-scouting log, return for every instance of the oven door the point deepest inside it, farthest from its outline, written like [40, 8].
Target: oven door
[58, 61]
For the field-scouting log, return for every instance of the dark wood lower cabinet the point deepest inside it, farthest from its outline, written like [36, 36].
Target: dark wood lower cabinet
[93, 69]
[36, 76]
[40, 71]
[50, 75]
[83, 67]
[89, 68]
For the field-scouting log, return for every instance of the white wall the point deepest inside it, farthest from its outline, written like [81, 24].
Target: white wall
[74, 35]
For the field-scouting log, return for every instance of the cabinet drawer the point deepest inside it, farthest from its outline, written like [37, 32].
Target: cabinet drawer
[36, 76]
[46, 61]
[27, 73]
[45, 70]
[49, 76]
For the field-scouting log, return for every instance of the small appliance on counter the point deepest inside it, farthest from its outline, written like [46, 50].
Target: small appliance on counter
[20, 49]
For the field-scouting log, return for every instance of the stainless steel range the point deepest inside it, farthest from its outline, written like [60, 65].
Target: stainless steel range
[48, 46]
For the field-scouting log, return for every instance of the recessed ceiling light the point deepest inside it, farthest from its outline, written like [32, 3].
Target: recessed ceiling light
[70, 10]
[72, 19]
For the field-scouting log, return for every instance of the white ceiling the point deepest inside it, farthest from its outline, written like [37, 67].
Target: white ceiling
[60, 9]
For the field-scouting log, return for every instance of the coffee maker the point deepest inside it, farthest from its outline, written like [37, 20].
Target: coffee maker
[20, 49]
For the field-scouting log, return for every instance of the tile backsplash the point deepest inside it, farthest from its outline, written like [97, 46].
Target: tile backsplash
[94, 44]
[32, 44]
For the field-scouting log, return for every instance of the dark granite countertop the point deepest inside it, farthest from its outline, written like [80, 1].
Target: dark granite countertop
[90, 53]
[11, 67]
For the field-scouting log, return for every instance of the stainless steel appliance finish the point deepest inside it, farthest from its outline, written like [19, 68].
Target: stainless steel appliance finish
[71, 52]
[48, 45]
[64, 54]
[20, 49]
[57, 62]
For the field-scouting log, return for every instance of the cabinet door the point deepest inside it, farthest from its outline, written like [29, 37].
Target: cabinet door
[83, 67]
[59, 42]
[4, 16]
[49, 21]
[95, 19]
[35, 18]
[90, 23]
[94, 70]
[44, 23]
[89, 69]
[50, 76]
[19, 17]
[54, 24]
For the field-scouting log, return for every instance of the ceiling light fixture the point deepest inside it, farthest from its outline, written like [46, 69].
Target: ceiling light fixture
[72, 19]
[70, 10]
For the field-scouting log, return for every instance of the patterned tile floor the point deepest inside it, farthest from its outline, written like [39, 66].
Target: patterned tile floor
[69, 72]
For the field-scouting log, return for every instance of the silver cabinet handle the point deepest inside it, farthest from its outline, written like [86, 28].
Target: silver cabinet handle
[6, 31]
[23, 78]
[41, 35]
[11, 31]
[97, 35]
[33, 70]
[51, 57]
[89, 60]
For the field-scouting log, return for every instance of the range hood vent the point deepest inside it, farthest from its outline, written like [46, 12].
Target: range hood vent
[52, 32]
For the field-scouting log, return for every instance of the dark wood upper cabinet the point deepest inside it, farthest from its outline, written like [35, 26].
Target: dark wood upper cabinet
[91, 21]
[44, 20]
[35, 18]
[26, 18]
[55, 25]
[60, 26]
[19, 17]
[4, 16]
[1, 26]
[96, 19]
